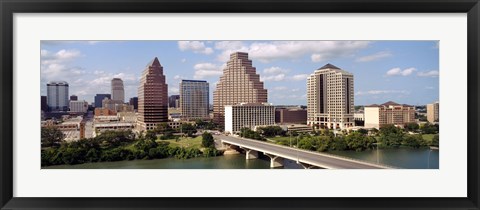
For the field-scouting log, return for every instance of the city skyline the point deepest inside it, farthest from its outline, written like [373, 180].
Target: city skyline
[382, 69]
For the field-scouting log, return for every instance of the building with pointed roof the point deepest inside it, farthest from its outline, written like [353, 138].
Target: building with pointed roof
[239, 84]
[330, 99]
[377, 116]
[152, 97]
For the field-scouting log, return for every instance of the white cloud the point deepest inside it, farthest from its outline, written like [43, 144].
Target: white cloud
[177, 77]
[61, 56]
[299, 77]
[173, 91]
[280, 88]
[274, 78]
[203, 70]
[373, 57]
[269, 51]
[400, 72]
[428, 74]
[195, 46]
[378, 92]
[183, 60]
[274, 70]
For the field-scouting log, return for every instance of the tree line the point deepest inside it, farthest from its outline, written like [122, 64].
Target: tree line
[115, 146]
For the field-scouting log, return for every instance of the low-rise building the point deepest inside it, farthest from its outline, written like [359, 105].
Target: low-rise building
[248, 115]
[390, 112]
[290, 115]
[78, 106]
[72, 128]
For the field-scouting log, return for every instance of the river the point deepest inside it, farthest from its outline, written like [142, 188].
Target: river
[402, 158]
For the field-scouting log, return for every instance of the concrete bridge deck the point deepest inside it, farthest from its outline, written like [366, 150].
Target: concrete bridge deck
[307, 159]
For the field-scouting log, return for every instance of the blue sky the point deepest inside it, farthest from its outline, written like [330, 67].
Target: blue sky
[401, 71]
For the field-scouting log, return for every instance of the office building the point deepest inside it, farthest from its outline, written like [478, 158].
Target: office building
[118, 92]
[194, 97]
[73, 98]
[390, 112]
[432, 112]
[239, 84]
[174, 101]
[57, 96]
[152, 97]
[99, 98]
[330, 99]
[290, 115]
[78, 106]
[43, 104]
[134, 102]
[248, 115]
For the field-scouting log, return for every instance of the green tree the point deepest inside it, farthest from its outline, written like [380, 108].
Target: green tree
[207, 140]
[412, 126]
[151, 135]
[390, 136]
[435, 141]
[188, 129]
[51, 137]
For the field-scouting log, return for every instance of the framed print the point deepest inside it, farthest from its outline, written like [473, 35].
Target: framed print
[239, 105]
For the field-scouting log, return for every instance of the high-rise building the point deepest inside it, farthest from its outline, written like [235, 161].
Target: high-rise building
[73, 98]
[118, 92]
[387, 113]
[433, 112]
[174, 101]
[44, 105]
[248, 115]
[194, 97]
[99, 98]
[57, 96]
[134, 102]
[78, 106]
[152, 97]
[239, 84]
[330, 98]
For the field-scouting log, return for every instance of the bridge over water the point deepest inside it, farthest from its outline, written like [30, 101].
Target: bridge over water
[307, 159]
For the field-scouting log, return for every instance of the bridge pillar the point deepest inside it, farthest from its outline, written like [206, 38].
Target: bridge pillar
[275, 161]
[251, 154]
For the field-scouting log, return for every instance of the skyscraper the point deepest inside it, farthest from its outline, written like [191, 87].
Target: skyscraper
[330, 98]
[99, 98]
[173, 101]
[57, 96]
[194, 99]
[118, 92]
[134, 102]
[239, 84]
[152, 97]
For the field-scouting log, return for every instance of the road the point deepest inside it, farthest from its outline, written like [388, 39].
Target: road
[313, 158]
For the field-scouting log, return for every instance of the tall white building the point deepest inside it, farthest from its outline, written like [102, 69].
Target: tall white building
[78, 106]
[330, 99]
[118, 91]
[57, 96]
[248, 115]
[194, 98]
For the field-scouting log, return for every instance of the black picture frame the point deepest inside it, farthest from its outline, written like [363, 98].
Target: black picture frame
[10, 7]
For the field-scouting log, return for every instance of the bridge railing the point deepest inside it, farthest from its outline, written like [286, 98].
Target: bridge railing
[325, 154]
